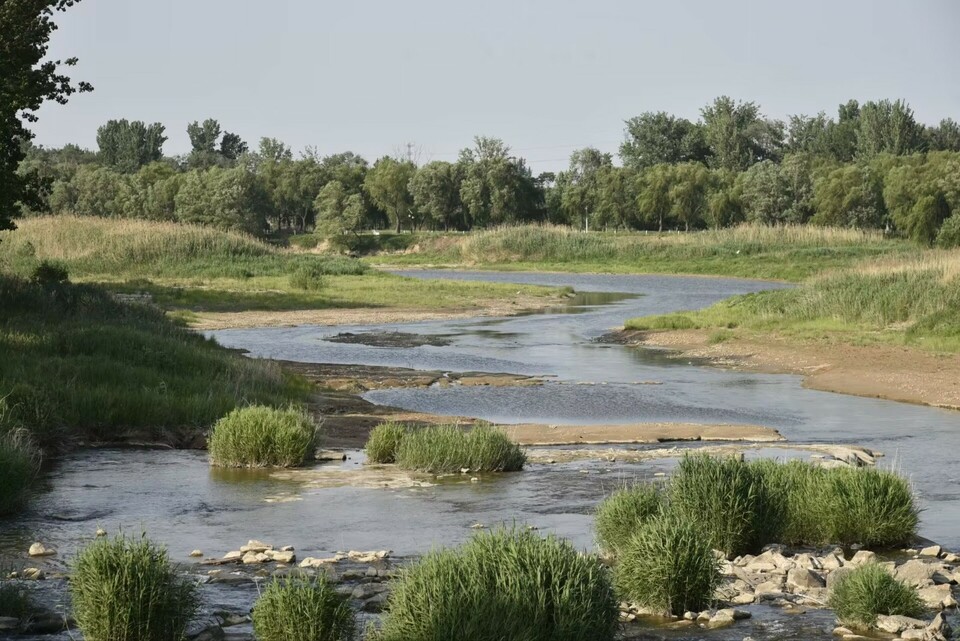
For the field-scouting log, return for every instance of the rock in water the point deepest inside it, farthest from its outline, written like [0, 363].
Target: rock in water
[39, 549]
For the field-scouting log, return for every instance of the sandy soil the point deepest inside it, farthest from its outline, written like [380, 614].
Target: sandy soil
[348, 419]
[879, 371]
[366, 315]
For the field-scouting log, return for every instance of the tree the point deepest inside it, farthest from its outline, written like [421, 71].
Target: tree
[945, 137]
[387, 183]
[223, 198]
[580, 198]
[842, 135]
[497, 188]
[232, 146]
[921, 195]
[778, 194]
[887, 127]
[849, 196]
[737, 134]
[25, 84]
[204, 138]
[127, 146]
[658, 137]
[436, 193]
[616, 198]
[808, 134]
[653, 194]
[689, 193]
[338, 212]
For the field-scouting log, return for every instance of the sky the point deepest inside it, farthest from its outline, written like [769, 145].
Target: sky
[546, 76]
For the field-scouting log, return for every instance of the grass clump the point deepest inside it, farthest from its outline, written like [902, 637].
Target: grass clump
[505, 584]
[442, 449]
[15, 600]
[622, 513]
[668, 565]
[301, 610]
[871, 507]
[126, 589]
[869, 591]
[261, 436]
[384, 440]
[19, 465]
[308, 277]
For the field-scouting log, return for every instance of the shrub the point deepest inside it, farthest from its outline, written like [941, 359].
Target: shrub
[505, 584]
[868, 591]
[871, 507]
[949, 234]
[794, 511]
[126, 589]
[384, 440]
[668, 564]
[448, 448]
[48, 272]
[309, 277]
[14, 600]
[19, 464]
[301, 610]
[724, 495]
[622, 513]
[260, 436]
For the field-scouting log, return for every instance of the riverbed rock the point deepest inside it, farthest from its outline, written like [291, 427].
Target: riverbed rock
[951, 558]
[863, 557]
[834, 577]
[916, 573]
[100, 532]
[895, 624]
[721, 619]
[933, 550]
[311, 562]
[39, 549]
[937, 597]
[255, 546]
[804, 579]
[831, 561]
[231, 556]
[33, 574]
[196, 553]
[807, 561]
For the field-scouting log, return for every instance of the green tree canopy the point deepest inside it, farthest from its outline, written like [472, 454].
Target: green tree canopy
[658, 137]
[387, 183]
[127, 146]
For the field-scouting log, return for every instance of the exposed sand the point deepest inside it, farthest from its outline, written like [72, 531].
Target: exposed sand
[539, 434]
[879, 371]
[367, 315]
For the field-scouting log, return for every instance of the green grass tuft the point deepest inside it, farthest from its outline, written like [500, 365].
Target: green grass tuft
[126, 589]
[19, 465]
[870, 590]
[622, 513]
[668, 565]
[444, 449]
[15, 600]
[301, 610]
[501, 585]
[872, 507]
[308, 277]
[260, 436]
[384, 440]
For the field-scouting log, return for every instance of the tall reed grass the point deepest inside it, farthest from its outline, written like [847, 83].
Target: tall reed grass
[19, 465]
[621, 514]
[303, 610]
[441, 449]
[384, 440]
[260, 436]
[869, 591]
[125, 589]
[668, 565]
[504, 584]
[15, 601]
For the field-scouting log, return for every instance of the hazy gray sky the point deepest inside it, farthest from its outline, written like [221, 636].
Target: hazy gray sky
[547, 76]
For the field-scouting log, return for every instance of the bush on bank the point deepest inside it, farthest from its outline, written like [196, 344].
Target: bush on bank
[126, 589]
[505, 584]
[869, 591]
[302, 610]
[668, 565]
[441, 449]
[261, 436]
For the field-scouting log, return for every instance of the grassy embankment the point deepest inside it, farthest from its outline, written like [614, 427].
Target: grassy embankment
[195, 270]
[905, 300]
[780, 253]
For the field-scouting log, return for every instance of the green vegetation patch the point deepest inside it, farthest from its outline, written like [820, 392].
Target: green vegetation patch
[19, 465]
[297, 609]
[126, 588]
[260, 436]
[505, 584]
[384, 440]
[445, 449]
[668, 565]
[15, 600]
[869, 591]
[80, 365]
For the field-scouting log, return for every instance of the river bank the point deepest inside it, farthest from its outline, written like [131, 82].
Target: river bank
[884, 371]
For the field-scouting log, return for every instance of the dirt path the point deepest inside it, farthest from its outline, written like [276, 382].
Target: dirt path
[878, 371]
[348, 418]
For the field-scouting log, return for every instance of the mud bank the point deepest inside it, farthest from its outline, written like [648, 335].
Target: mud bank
[877, 371]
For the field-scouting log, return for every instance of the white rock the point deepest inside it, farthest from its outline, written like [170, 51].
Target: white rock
[39, 549]
[33, 574]
[100, 532]
[933, 550]
[895, 624]
[234, 555]
[831, 562]
[804, 579]
[862, 557]
[255, 546]
[916, 572]
[196, 553]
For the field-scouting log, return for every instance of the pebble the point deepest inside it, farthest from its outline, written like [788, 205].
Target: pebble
[100, 532]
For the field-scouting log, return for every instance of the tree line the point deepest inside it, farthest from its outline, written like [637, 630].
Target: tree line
[872, 166]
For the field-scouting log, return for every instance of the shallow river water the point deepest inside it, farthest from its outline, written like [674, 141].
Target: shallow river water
[177, 499]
